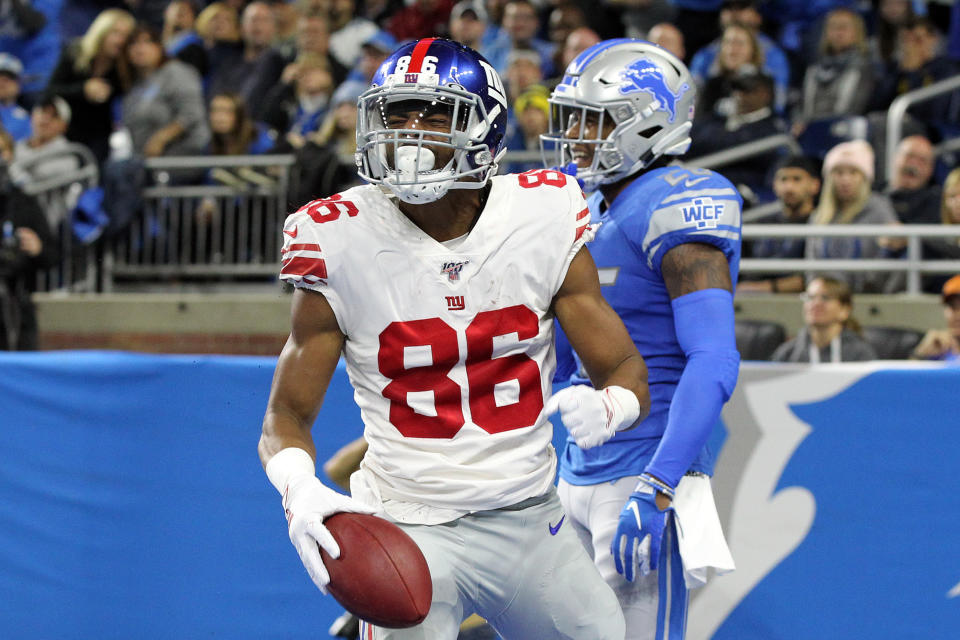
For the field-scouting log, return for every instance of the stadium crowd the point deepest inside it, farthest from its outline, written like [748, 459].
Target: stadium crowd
[159, 78]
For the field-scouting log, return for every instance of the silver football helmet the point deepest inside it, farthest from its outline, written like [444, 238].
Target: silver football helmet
[643, 91]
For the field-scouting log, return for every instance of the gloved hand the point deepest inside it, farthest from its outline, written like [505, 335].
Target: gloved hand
[639, 536]
[306, 502]
[593, 416]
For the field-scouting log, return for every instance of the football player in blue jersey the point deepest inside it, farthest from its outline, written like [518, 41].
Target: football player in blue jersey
[667, 247]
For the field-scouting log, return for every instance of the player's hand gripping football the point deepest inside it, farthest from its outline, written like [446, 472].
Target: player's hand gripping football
[306, 502]
[636, 544]
[593, 416]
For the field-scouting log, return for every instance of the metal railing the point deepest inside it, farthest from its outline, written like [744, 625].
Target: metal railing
[227, 228]
[743, 151]
[898, 109]
[912, 263]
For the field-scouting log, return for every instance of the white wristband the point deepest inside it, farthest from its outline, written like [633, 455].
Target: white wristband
[287, 464]
[625, 407]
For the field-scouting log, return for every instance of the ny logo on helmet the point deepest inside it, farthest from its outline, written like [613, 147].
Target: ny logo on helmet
[645, 75]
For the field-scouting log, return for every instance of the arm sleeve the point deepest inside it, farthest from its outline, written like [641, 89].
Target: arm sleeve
[705, 330]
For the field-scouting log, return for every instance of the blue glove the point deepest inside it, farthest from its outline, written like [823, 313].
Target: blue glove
[640, 530]
[571, 170]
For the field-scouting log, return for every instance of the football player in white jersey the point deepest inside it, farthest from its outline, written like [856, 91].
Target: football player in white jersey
[668, 248]
[439, 283]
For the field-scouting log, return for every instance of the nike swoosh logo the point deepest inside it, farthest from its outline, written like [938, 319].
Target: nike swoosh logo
[554, 529]
[636, 514]
[690, 183]
[292, 234]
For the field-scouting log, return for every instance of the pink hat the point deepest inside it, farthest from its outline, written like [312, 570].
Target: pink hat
[855, 153]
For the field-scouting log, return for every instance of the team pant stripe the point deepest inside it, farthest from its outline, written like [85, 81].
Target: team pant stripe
[673, 595]
[419, 51]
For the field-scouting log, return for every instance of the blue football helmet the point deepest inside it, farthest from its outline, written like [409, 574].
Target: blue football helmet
[430, 76]
[643, 90]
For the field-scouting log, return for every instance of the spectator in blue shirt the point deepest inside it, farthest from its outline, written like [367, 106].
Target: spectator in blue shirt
[520, 27]
[775, 63]
[13, 117]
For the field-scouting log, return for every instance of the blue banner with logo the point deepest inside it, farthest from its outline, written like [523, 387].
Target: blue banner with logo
[133, 504]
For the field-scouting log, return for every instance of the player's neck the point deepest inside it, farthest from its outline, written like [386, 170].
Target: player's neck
[612, 190]
[452, 216]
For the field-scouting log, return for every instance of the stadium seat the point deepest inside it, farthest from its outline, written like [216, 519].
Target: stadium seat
[758, 339]
[892, 343]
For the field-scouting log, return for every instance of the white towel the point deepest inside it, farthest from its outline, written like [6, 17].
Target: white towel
[699, 534]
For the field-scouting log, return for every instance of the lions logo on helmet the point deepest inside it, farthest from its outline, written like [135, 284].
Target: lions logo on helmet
[645, 75]
[641, 94]
[428, 78]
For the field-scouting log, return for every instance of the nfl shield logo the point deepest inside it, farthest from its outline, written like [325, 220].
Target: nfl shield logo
[453, 269]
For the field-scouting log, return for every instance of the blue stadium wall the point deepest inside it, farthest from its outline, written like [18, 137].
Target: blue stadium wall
[133, 505]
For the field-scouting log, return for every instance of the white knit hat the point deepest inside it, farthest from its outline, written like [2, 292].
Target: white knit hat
[855, 153]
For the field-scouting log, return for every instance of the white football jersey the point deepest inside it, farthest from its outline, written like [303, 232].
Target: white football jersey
[450, 351]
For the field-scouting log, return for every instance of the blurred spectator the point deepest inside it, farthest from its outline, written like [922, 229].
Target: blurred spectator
[739, 54]
[49, 119]
[296, 109]
[251, 67]
[796, 183]
[520, 27]
[771, 58]
[944, 248]
[830, 332]
[13, 117]
[312, 38]
[218, 23]
[915, 200]
[638, 17]
[30, 30]
[469, 24]
[179, 38]
[751, 118]
[420, 19]
[669, 37]
[697, 20]
[840, 82]
[285, 14]
[576, 43]
[325, 164]
[232, 131]
[920, 63]
[379, 11]
[532, 113]
[889, 17]
[372, 54]
[26, 246]
[164, 110]
[90, 74]
[348, 31]
[847, 198]
[523, 71]
[944, 344]
[561, 22]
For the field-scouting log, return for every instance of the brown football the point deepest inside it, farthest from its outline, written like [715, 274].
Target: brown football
[381, 575]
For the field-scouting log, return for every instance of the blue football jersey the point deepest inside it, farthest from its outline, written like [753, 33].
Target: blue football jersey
[657, 211]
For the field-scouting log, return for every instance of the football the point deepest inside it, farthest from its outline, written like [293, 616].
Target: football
[381, 575]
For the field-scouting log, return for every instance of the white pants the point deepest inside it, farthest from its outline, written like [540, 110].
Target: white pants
[654, 606]
[521, 568]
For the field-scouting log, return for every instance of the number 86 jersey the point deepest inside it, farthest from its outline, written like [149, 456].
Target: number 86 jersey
[449, 350]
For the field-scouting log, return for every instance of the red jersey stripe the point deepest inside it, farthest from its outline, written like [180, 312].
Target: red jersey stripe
[419, 51]
[301, 247]
[300, 266]
[583, 214]
[580, 231]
